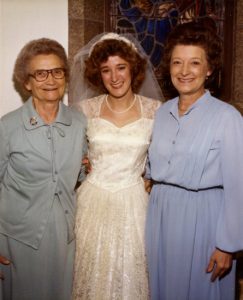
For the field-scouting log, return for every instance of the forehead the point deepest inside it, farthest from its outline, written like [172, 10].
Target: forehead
[188, 51]
[45, 61]
[114, 61]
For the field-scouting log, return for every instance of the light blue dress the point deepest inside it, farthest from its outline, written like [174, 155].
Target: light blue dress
[197, 203]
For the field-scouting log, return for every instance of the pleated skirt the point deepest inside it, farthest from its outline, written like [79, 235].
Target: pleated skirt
[180, 238]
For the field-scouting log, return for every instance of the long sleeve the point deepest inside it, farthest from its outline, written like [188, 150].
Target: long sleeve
[147, 174]
[3, 151]
[230, 223]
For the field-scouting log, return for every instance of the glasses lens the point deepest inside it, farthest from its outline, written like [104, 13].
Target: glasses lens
[58, 73]
[41, 75]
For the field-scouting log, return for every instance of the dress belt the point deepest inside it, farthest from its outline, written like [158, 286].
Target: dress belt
[184, 188]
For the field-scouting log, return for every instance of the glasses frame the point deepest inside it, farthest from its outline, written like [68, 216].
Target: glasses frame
[50, 71]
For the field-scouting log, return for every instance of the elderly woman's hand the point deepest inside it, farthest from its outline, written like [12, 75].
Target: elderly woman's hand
[220, 263]
[4, 261]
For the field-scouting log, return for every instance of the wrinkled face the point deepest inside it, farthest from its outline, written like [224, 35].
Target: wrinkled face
[116, 76]
[51, 89]
[189, 69]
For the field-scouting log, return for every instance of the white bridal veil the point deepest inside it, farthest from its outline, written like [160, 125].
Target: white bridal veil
[80, 88]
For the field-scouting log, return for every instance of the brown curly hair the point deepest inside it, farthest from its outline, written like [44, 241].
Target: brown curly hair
[32, 49]
[196, 33]
[112, 47]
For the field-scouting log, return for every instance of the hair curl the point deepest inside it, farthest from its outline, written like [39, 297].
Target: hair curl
[200, 33]
[33, 48]
[112, 47]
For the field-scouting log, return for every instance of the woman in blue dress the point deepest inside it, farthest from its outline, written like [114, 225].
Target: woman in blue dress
[195, 214]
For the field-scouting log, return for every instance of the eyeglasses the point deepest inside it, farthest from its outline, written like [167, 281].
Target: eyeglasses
[42, 75]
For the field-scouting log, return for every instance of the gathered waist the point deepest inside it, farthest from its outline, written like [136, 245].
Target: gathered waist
[185, 188]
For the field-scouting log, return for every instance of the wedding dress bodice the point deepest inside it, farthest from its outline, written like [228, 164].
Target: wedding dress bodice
[117, 154]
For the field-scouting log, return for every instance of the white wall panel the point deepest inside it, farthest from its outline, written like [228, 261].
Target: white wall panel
[20, 22]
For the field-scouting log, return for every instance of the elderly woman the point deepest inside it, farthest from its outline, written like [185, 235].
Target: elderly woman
[42, 145]
[195, 213]
[110, 258]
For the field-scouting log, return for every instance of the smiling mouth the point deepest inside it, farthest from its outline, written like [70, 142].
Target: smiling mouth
[183, 80]
[50, 90]
[117, 85]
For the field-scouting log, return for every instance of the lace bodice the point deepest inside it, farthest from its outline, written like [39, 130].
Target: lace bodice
[117, 154]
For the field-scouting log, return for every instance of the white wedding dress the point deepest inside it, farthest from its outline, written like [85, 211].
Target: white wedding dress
[110, 258]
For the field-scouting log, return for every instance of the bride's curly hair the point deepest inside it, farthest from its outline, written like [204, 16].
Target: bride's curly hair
[113, 47]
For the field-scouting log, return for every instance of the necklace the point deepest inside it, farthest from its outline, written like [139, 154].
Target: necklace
[122, 111]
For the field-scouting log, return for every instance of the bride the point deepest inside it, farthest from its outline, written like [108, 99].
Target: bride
[110, 260]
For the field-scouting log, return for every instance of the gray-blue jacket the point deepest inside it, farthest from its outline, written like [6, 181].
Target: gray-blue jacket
[38, 162]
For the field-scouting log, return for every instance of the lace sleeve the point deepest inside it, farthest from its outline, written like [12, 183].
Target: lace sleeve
[91, 107]
[149, 107]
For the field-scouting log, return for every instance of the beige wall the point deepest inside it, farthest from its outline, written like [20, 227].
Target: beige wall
[20, 22]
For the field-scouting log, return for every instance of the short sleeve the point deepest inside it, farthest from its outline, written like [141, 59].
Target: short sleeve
[91, 107]
[150, 106]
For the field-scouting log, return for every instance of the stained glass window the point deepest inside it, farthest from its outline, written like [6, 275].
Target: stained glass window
[150, 21]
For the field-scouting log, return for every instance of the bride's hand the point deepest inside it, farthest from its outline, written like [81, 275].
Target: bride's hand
[86, 164]
[148, 185]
